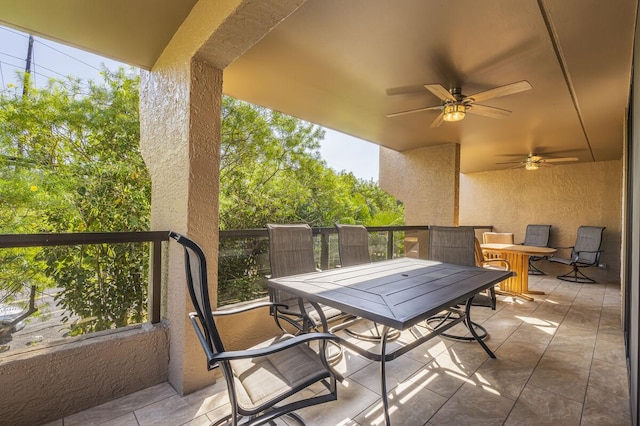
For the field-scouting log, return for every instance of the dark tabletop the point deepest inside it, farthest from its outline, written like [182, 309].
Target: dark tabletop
[398, 293]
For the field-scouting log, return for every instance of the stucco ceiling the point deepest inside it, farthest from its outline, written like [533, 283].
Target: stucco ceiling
[347, 64]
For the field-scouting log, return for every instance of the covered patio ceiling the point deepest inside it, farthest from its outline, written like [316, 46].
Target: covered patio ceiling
[347, 64]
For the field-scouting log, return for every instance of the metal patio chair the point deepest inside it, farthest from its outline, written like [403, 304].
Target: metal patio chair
[291, 253]
[353, 244]
[458, 245]
[353, 249]
[260, 378]
[585, 253]
[537, 236]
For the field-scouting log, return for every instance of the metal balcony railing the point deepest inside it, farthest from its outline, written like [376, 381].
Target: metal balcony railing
[243, 253]
[72, 239]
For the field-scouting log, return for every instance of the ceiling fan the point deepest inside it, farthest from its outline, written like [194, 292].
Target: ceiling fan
[533, 161]
[455, 105]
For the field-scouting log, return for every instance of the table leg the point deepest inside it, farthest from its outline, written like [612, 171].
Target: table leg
[517, 286]
[525, 277]
[383, 376]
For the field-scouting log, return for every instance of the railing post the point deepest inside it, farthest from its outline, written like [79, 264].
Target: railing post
[156, 281]
[324, 251]
[390, 244]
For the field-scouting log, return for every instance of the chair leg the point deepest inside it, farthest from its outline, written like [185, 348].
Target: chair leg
[533, 270]
[576, 276]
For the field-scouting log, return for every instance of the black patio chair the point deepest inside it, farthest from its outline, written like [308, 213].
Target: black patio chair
[259, 378]
[537, 236]
[353, 249]
[457, 245]
[291, 253]
[585, 253]
[353, 244]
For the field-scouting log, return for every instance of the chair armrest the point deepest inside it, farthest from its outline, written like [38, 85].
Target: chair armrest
[268, 350]
[589, 251]
[498, 260]
[246, 308]
[566, 253]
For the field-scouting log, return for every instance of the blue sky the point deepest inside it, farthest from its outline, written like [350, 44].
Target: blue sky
[50, 59]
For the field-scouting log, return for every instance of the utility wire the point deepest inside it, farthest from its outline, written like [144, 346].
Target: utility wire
[66, 54]
[49, 47]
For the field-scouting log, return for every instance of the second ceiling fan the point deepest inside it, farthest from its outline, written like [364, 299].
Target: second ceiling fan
[533, 161]
[455, 105]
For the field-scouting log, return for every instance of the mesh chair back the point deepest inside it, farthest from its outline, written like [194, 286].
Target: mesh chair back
[537, 235]
[452, 245]
[588, 243]
[290, 250]
[353, 244]
[290, 253]
[196, 272]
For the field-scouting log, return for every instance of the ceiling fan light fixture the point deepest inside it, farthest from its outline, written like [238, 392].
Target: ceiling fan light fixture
[531, 166]
[454, 112]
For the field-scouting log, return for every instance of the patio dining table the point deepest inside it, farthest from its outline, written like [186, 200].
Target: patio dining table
[396, 294]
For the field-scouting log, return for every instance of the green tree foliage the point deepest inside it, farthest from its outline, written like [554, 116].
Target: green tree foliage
[271, 172]
[71, 163]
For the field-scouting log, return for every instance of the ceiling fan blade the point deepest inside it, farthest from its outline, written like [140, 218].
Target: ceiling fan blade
[405, 90]
[438, 121]
[515, 155]
[488, 111]
[512, 162]
[411, 111]
[508, 89]
[559, 160]
[440, 92]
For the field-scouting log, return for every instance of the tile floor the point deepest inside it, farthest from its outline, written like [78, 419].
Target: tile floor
[560, 361]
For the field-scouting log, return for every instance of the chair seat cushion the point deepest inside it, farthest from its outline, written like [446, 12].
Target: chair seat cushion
[294, 309]
[261, 380]
[561, 260]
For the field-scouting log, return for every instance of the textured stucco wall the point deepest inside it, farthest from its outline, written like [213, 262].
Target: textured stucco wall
[564, 196]
[180, 109]
[425, 180]
[180, 126]
[46, 384]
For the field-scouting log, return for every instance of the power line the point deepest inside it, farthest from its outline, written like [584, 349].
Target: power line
[66, 54]
[12, 56]
[58, 51]
[35, 63]
[36, 73]
[37, 68]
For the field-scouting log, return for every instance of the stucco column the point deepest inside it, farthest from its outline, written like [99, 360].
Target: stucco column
[427, 181]
[180, 106]
[180, 139]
